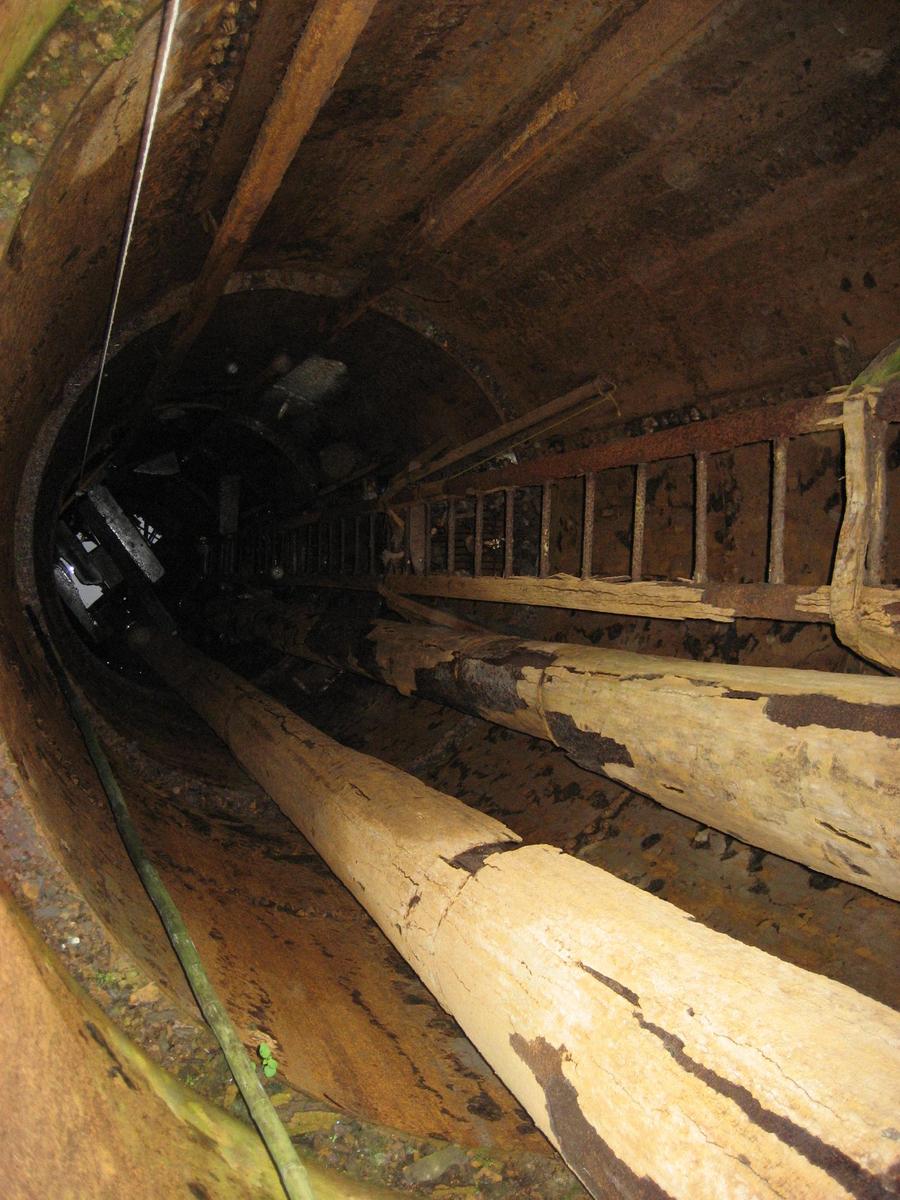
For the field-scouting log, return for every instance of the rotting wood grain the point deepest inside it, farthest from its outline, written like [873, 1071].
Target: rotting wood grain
[662, 1058]
[805, 764]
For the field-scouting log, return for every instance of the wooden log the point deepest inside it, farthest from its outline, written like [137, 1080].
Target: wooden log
[802, 763]
[663, 1059]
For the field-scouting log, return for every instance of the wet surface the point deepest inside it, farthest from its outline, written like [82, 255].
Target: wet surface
[303, 967]
[374, 1077]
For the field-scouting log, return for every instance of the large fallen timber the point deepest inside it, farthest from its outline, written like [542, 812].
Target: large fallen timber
[663, 1059]
[805, 764]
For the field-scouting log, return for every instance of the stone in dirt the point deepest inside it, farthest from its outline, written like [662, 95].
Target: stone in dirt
[147, 994]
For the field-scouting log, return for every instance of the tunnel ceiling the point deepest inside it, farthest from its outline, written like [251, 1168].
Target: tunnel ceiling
[706, 206]
[724, 217]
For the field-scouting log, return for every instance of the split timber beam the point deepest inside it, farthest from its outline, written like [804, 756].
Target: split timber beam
[805, 764]
[657, 598]
[330, 35]
[661, 599]
[661, 1058]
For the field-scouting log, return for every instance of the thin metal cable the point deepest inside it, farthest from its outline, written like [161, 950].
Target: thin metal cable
[163, 52]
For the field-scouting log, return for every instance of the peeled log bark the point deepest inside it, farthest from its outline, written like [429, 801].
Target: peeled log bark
[805, 764]
[663, 1059]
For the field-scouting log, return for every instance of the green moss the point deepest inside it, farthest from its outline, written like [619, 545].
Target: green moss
[70, 44]
[881, 370]
[23, 31]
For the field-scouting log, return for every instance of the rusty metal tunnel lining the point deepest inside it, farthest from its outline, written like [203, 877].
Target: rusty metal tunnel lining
[370, 308]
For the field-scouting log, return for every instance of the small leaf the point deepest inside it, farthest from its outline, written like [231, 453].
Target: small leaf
[270, 1066]
[264, 1052]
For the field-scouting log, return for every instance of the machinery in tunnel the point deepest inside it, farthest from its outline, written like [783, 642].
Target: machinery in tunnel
[448, 468]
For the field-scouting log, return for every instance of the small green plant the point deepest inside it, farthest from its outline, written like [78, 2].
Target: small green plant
[269, 1065]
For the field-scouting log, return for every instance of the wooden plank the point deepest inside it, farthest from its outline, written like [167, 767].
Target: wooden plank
[546, 513]
[331, 33]
[478, 548]
[646, 44]
[599, 1005]
[701, 505]
[712, 437]
[587, 526]
[659, 599]
[777, 517]
[492, 442]
[618, 70]
[645, 598]
[509, 524]
[638, 521]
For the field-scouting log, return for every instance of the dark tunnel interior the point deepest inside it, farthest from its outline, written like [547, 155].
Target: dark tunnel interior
[538, 445]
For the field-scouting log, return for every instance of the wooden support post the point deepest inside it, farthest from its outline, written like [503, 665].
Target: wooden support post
[776, 519]
[451, 536]
[478, 548]
[331, 32]
[660, 1057]
[373, 565]
[427, 547]
[876, 555]
[546, 513]
[407, 538]
[509, 525]
[587, 527]
[418, 536]
[701, 505]
[637, 529]
[803, 763]
[874, 634]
